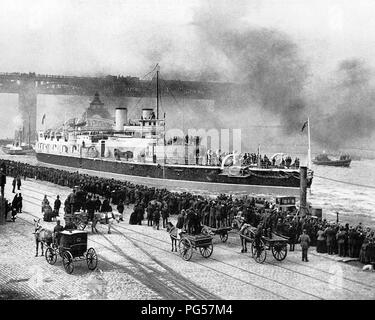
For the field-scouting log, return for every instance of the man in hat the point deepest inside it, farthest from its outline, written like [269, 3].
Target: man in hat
[180, 223]
[57, 205]
[56, 232]
[304, 239]
[3, 178]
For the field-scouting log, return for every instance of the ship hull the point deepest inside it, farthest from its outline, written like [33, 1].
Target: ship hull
[192, 177]
[333, 163]
[17, 152]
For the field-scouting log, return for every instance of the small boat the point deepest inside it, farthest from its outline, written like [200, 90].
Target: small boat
[324, 160]
[17, 150]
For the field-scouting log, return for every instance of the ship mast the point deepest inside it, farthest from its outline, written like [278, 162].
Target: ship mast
[157, 91]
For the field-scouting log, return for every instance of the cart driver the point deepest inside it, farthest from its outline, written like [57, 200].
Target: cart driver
[56, 232]
[258, 238]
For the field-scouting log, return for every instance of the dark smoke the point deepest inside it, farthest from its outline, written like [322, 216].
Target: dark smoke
[266, 62]
[352, 102]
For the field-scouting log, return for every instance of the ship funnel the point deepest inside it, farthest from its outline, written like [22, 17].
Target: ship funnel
[121, 118]
[147, 114]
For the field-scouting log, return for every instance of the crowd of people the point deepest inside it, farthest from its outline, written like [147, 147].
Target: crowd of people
[215, 158]
[194, 211]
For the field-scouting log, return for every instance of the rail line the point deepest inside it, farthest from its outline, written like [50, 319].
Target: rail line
[162, 283]
[282, 267]
[273, 264]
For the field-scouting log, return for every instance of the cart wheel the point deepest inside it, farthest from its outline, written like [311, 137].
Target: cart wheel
[186, 249]
[68, 262]
[224, 237]
[91, 259]
[279, 251]
[206, 251]
[51, 255]
[260, 254]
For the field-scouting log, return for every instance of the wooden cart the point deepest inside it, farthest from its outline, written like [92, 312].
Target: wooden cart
[222, 232]
[189, 242]
[278, 245]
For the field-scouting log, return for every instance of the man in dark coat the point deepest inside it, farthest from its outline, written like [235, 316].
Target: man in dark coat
[72, 200]
[3, 177]
[156, 217]
[14, 207]
[98, 204]
[14, 184]
[140, 210]
[19, 203]
[180, 222]
[150, 209]
[105, 206]
[57, 205]
[304, 239]
[165, 214]
[18, 178]
[330, 235]
[352, 239]
[341, 235]
[120, 209]
[90, 207]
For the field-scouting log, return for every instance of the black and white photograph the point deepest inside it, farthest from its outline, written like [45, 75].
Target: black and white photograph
[203, 151]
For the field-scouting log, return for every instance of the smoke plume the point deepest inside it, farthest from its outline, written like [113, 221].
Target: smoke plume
[348, 113]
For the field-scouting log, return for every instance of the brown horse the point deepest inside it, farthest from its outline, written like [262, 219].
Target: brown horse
[172, 230]
[42, 236]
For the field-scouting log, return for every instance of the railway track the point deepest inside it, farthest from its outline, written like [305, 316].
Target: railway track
[169, 285]
[323, 271]
[136, 241]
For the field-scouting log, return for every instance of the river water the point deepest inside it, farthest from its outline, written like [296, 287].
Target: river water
[349, 191]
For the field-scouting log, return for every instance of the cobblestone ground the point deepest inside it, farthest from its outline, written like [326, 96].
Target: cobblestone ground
[136, 262]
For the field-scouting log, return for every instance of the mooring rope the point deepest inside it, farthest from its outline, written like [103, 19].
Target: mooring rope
[346, 182]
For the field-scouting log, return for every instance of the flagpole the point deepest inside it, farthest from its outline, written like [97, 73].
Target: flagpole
[309, 150]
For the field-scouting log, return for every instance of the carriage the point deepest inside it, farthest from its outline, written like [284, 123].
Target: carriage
[222, 232]
[72, 247]
[277, 244]
[188, 242]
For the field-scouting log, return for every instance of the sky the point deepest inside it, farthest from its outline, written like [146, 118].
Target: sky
[125, 37]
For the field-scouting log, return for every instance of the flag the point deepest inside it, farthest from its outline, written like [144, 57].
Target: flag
[304, 125]
[44, 118]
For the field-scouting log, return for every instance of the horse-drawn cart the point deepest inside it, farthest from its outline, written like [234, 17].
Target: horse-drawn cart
[278, 245]
[72, 246]
[81, 220]
[189, 242]
[222, 232]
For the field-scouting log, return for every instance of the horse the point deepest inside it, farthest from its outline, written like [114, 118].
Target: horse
[245, 230]
[104, 218]
[237, 221]
[172, 230]
[42, 236]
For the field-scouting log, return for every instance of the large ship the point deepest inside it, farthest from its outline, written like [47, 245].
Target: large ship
[139, 149]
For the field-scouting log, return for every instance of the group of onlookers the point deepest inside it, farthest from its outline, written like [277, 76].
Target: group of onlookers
[155, 204]
[346, 241]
